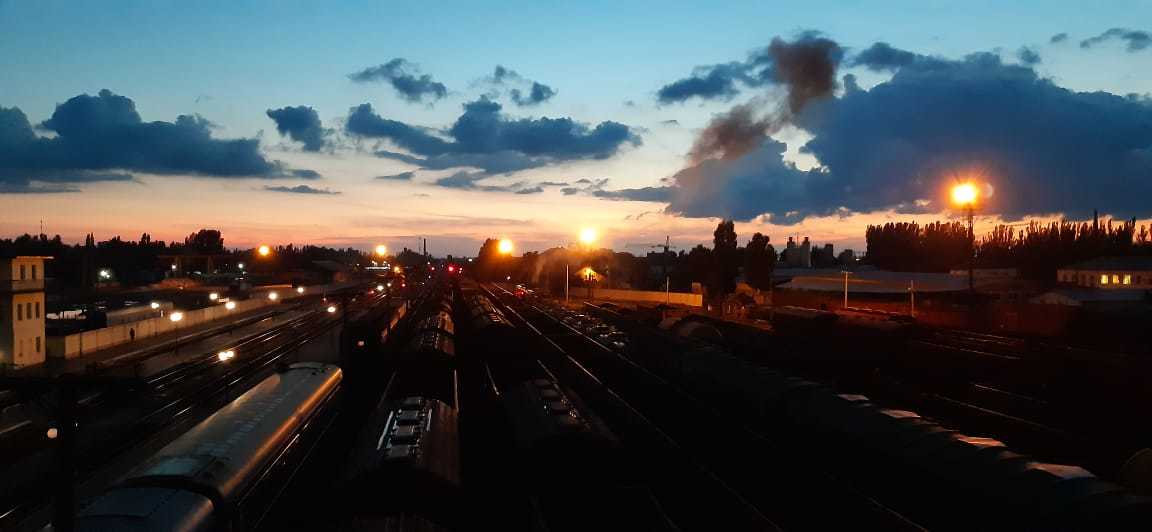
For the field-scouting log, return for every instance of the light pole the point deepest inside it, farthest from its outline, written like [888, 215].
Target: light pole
[846, 274]
[965, 195]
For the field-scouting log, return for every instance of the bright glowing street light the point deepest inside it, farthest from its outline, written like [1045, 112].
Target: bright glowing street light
[213, 296]
[154, 305]
[397, 269]
[381, 250]
[964, 195]
[299, 289]
[588, 236]
[264, 251]
[273, 296]
[176, 316]
[105, 274]
[331, 309]
[225, 356]
[231, 305]
[240, 265]
[504, 247]
[379, 288]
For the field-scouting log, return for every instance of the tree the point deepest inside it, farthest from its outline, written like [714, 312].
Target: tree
[205, 241]
[727, 257]
[759, 262]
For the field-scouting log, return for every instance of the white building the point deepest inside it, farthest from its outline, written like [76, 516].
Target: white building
[1122, 273]
[22, 340]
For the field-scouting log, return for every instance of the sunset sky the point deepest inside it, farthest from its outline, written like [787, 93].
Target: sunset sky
[355, 123]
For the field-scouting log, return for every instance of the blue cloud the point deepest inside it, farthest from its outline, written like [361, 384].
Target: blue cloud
[404, 78]
[1136, 39]
[483, 137]
[301, 124]
[402, 176]
[1028, 56]
[94, 134]
[533, 93]
[1042, 148]
[883, 56]
[301, 189]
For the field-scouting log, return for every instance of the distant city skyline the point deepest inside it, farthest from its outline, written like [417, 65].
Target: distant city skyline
[357, 124]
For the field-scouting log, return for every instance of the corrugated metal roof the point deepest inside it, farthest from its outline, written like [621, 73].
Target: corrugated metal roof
[1113, 263]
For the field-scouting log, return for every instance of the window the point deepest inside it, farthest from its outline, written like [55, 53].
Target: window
[33, 272]
[28, 309]
[1103, 278]
[19, 312]
[1127, 279]
[1115, 279]
[38, 308]
[23, 274]
[37, 344]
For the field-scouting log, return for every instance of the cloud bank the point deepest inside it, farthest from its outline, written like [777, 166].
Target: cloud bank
[483, 137]
[1042, 148]
[91, 135]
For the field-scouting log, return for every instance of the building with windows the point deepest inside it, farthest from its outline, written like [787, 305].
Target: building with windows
[1113, 273]
[22, 340]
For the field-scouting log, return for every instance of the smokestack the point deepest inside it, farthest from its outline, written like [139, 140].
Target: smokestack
[425, 247]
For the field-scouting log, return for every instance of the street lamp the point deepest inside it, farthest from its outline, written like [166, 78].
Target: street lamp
[273, 296]
[225, 356]
[231, 305]
[299, 289]
[964, 195]
[213, 296]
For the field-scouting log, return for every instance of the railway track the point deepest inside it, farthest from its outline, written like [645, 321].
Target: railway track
[695, 429]
[182, 396]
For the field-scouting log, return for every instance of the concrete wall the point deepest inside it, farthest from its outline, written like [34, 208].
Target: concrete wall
[641, 296]
[75, 345]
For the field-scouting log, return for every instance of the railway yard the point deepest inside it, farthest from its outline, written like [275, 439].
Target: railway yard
[457, 405]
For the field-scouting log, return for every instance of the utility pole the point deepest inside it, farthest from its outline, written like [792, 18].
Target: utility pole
[565, 281]
[912, 297]
[971, 251]
[846, 272]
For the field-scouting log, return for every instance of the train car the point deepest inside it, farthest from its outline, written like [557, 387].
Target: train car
[404, 470]
[227, 470]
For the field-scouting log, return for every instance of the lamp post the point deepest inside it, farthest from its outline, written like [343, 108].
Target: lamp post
[964, 195]
[846, 274]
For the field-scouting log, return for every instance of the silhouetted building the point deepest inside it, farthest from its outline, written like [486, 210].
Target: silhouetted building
[1132, 273]
[797, 256]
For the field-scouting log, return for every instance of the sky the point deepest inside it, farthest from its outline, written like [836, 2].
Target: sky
[357, 123]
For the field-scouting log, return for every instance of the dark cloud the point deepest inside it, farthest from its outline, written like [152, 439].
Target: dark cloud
[770, 65]
[529, 93]
[670, 122]
[1042, 148]
[466, 180]
[585, 186]
[303, 174]
[1028, 56]
[483, 137]
[402, 176]
[710, 82]
[539, 93]
[661, 194]
[883, 56]
[806, 68]
[553, 183]
[301, 124]
[1136, 39]
[301, 189]
[94, 134]
[404, 76]
[1058, 38]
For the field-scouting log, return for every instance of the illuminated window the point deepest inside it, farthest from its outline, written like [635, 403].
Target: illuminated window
[1103, 278]
[1127, 279]
[1115, 279]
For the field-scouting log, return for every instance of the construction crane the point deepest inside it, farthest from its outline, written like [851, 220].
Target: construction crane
[666, 246]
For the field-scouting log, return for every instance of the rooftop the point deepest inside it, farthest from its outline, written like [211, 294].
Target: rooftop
[1113, 263]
